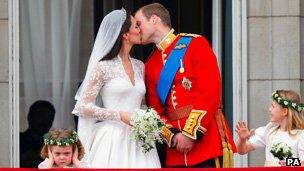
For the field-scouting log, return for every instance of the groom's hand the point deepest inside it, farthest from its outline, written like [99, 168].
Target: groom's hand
[183, 143]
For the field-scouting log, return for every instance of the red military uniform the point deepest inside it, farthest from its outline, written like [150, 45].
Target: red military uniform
[197, 85]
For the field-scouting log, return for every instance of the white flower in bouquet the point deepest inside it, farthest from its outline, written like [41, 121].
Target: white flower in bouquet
[146, 128]
[281, 151]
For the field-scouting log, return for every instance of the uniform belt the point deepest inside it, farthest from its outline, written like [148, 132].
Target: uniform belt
[179, 113]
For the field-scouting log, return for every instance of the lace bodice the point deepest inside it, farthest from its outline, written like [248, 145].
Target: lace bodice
[109, 90]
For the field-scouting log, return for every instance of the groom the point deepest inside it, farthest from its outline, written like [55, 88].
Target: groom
[184, 87]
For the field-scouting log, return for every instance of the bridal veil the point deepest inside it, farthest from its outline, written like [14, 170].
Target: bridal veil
[107, 35]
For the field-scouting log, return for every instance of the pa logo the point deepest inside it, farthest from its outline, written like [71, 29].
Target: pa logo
[293, 162]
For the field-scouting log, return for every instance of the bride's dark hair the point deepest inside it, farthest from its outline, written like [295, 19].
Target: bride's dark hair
[117, 46]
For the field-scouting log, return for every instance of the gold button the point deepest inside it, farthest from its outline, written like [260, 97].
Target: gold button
[173, 91]
[174, 97]
[175, 104]
[188, 127]
[192, 117]
[173, 86]
[165, 55]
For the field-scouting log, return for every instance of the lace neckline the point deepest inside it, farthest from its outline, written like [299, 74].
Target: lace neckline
[131, 78]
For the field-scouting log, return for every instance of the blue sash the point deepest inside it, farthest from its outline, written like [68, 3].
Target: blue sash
[171, 66]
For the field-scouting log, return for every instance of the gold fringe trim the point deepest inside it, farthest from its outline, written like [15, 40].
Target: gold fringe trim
[228, 160]
[217, 163]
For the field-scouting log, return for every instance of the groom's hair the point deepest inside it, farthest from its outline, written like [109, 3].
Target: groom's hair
[158, 10]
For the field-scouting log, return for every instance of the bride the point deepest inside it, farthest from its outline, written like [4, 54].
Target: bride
[112, 89]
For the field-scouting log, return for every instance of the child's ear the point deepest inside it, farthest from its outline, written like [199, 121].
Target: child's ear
[285, 111]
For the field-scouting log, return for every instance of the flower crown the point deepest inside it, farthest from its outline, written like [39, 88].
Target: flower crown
[287, 103]
[73, 138]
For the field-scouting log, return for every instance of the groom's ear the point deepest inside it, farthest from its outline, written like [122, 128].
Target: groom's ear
[154, 18]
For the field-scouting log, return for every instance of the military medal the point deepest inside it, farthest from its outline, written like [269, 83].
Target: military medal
[181, 69]
[186, 83]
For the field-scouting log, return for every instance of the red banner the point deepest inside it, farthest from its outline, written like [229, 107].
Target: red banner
[170, 169]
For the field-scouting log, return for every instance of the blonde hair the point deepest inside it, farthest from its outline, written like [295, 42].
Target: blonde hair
[295, 119]
[158, 10]
[59, 134]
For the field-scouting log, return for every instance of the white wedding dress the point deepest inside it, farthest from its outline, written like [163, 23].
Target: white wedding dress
[112, 145]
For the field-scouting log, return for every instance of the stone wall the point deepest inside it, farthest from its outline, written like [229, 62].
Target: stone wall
[302, 47]
[274, 57]
[4, 86]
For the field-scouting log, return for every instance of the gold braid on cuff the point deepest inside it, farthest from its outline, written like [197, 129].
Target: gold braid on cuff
[192, 124]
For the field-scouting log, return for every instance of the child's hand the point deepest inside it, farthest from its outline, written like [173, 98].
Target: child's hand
[48, 162]
[51, 158]
[75, 155]
[282, 163]
[75, 159]
[243, 132]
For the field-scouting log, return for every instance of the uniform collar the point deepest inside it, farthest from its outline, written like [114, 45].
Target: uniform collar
[166, 41]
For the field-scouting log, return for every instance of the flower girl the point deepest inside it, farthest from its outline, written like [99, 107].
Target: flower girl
[62, 149]
[283, 137]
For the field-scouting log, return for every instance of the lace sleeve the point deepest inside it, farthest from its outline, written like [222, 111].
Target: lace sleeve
[86, 106]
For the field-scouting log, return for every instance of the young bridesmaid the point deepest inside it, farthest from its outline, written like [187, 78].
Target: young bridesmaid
[285, 127]
[62, 149]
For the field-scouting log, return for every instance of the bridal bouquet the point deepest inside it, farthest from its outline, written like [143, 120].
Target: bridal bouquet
[146, 128]
[281, 151]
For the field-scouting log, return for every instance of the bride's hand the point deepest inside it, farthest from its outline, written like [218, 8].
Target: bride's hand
[125, 117]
